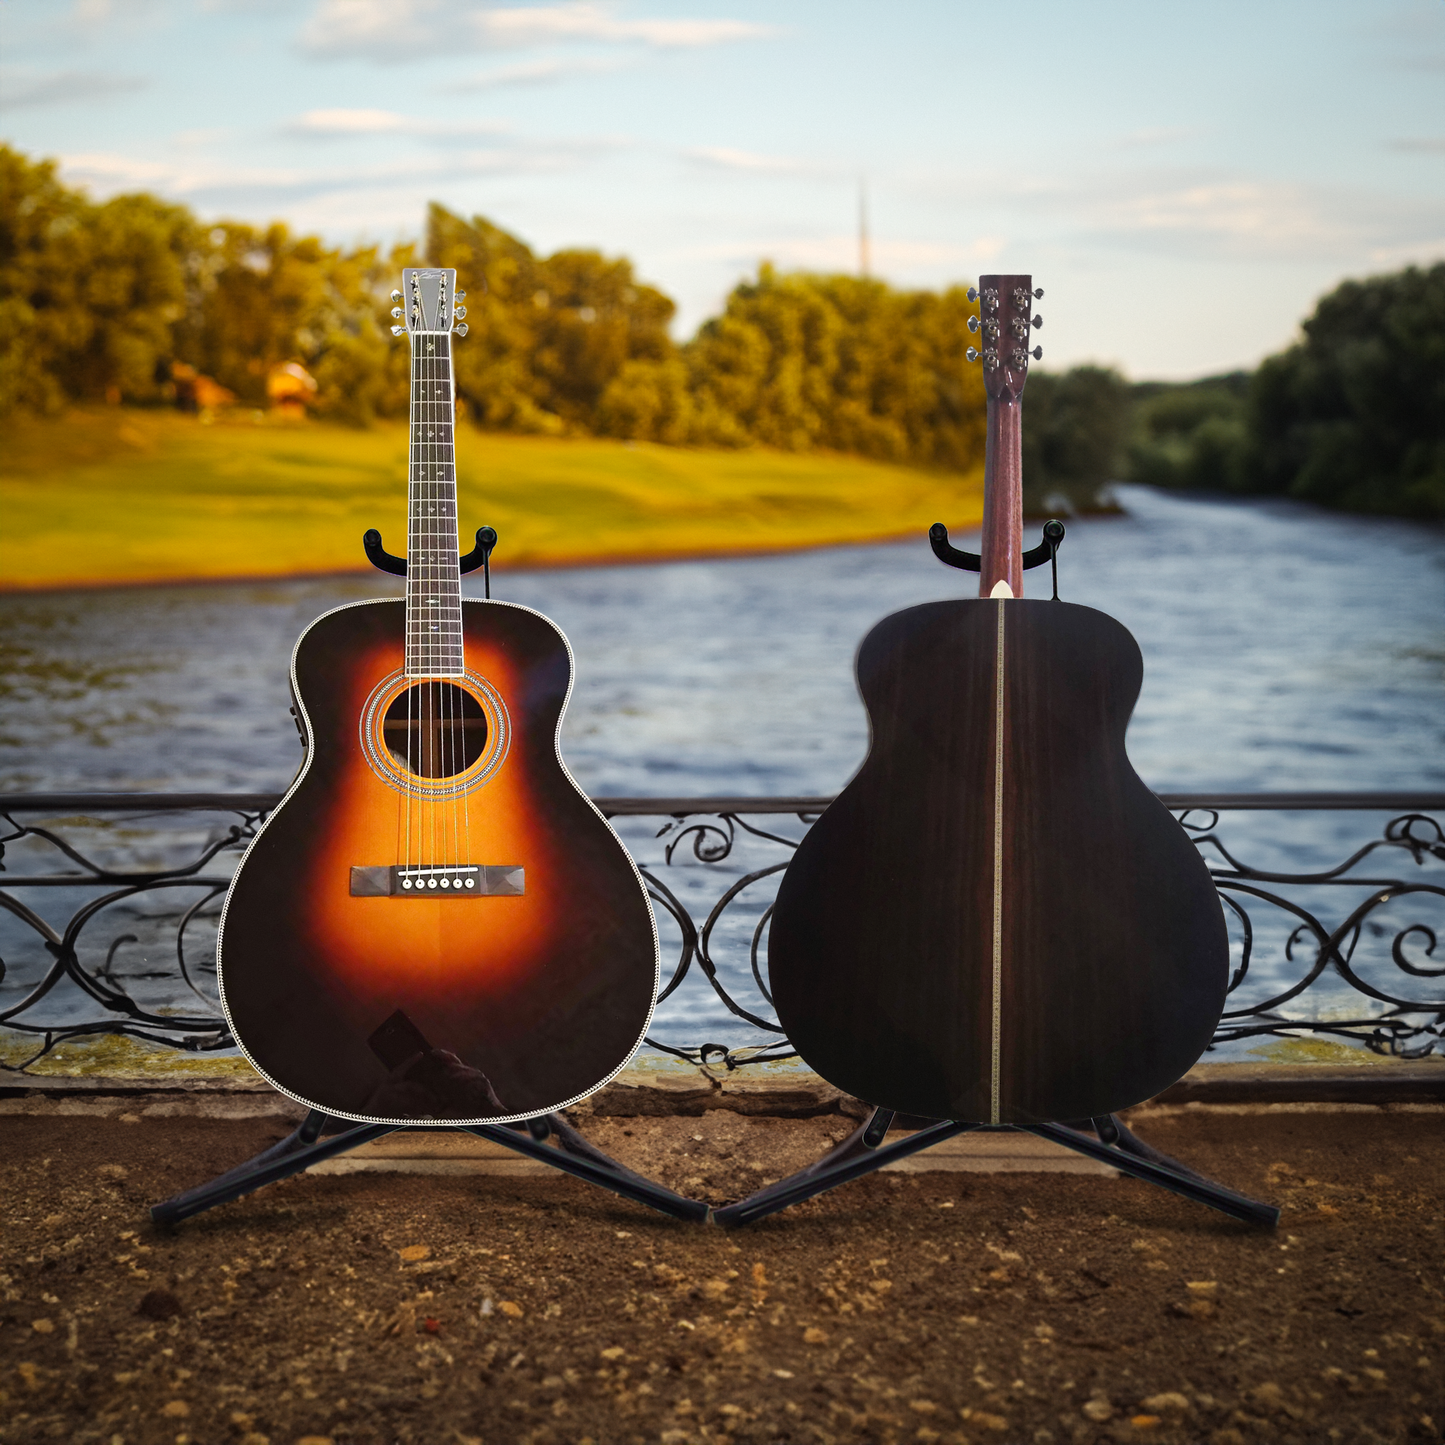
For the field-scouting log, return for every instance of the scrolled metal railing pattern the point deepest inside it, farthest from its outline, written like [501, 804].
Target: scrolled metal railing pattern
[1385, 969]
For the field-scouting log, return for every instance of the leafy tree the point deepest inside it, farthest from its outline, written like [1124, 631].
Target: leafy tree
[548, 335]
[138, 252]
[1353, 416]
[801, 361]
[1074, 427]
[42, 315]
[88, 294]
[265, 297]
[1193, 435]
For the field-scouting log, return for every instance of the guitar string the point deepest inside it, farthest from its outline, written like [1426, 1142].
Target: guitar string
[446, 450]
[436, 705]
[446, 525]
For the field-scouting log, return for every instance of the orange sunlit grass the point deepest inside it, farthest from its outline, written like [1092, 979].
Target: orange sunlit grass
[113, 495]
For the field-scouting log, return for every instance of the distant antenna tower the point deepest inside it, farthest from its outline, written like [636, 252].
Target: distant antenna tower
[864, 260]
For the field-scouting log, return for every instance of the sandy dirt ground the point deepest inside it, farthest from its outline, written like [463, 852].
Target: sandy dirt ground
[374, 1308]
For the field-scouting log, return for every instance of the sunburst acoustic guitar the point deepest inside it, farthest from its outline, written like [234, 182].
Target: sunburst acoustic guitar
[435, 922]
[996, 920]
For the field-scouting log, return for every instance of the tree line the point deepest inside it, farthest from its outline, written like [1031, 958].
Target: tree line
[116, 299]
[106, 299]
[1351, 416]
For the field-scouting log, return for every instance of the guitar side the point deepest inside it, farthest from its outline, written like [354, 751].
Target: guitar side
[996, 920]
[541, 990]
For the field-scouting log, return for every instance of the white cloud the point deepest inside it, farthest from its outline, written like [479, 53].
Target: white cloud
[1153, 136]
[839, 252]
[218, 184]
[21, 89]
[1195, 214]
[1417, 253]
[728, 159]
[399, 30]
[582, 20]
[331, 124]
[538, 72]
[1428, 144]
[1247, 213]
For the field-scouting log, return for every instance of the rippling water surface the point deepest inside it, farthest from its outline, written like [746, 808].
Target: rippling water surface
[1284, 648]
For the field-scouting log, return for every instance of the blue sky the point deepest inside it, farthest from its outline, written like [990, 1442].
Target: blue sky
[1184, 179]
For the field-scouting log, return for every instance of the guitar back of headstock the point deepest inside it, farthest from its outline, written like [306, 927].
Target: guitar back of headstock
[1006, 319]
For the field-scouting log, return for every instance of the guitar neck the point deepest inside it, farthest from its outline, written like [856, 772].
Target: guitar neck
[433, 579]
[1003, 499]
[1005, 306]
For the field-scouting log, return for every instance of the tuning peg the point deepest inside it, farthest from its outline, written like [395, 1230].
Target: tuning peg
[397, 330]
[973, 323]
[971, 354]
[1037, 353]
[460, 311]
[1039, 294]
[1038, 321]
[460, 295]
[396, 296]
[397, 312]
[973, 293]
[461, 330]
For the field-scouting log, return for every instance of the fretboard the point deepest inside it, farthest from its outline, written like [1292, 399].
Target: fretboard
[433, 583]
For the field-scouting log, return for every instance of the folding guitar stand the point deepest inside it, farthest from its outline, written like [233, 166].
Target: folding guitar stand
[304, 1146]
[864, 1151]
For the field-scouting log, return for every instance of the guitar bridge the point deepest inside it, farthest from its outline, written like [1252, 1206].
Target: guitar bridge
[461, 880]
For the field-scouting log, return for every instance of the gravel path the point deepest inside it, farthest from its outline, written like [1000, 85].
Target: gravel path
[954, 1307]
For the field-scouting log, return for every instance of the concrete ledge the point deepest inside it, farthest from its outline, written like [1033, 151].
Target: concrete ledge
[1378, 1081]
[775, 1093]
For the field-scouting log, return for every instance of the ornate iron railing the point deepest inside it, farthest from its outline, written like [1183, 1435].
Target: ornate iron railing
[1340, 951]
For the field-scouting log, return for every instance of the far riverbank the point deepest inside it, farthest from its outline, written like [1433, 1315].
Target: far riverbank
[115, 496]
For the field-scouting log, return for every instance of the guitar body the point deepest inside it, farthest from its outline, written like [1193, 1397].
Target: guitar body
[359, 986]
[996, 920]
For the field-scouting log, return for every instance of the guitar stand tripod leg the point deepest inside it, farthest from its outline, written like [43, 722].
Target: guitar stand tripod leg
[1126, 1152]
[575, 1156]
[863, 1152]
[299, 1150]
[304, 1147]
[859, 1154]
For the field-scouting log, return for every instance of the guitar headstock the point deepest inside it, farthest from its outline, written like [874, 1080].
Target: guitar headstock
[428, 303]
[1005, 305]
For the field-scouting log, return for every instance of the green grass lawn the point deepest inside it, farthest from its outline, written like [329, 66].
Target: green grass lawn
[112, 495]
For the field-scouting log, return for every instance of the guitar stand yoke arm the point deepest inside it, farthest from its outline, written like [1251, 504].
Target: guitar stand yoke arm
[384, 561]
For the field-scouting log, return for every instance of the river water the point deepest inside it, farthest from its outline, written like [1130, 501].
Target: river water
[1285, 649]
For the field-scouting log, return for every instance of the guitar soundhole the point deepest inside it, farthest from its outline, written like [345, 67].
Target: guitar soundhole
[435, 729]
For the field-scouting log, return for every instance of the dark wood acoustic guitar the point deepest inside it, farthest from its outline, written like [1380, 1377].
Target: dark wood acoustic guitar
[435, 923]
[996, 920]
